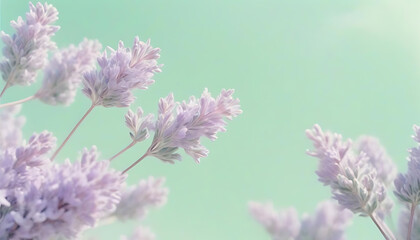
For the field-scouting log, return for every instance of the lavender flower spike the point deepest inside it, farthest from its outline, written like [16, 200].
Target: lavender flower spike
[26, 51]
[378, 158]
[141, 233]
[283, 225]
[135, 201]
[66, 200]
[10, 127]
[138, 124]
[139, 128]
[407, 187]
[193, 120]
[121, 72]
[64, 72]
[352, 179]
[328, 223]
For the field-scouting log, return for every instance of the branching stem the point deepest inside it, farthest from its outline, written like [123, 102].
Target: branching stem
[410, 223]
[136, 162]
[72, 131]
[18, 102]
[125, 149]
[384, 230]
[9, 79]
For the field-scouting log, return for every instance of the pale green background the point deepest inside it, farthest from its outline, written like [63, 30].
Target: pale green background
[351, 66]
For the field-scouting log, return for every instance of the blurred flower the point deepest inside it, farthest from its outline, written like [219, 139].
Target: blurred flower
[192, 120]
[64, 72]
[136, 200]
[27, 50]
[141, 233]
[282, 225]
[11, 127]
[121, 72]
[328, 223]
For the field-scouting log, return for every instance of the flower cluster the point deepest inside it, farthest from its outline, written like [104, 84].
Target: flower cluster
[125, 69]
[136, 200]
[27, 50]
[10, 127]
[351, 175]
[379, 160]
[407, 186]
[138, 124]
[197, 118]
[43, 199]
[64, 72]
[329, 222]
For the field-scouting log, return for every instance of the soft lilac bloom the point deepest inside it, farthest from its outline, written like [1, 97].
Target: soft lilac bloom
[64, 72]
[141, 233]
[23, 165]
[197, 118]
[328, 223]
[33, 153]
[27, 50]
[137, 200]
[139, 124]
[67, 199]
[407, 186]
[352, 180]
[378, 158]
[11, 127]
[281, 225]
[121, 72]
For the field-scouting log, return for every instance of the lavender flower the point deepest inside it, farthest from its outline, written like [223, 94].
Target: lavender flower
[64, 72]
[65, 201]
[352, 180]
[193, 120]
[10, 127]
[141, 233]
[407, 186]
[328, 223]
[121, 72]
[283, 225]
[22, 165]
[378, 158]
[138, 124]
[26, 51]
[135, 201]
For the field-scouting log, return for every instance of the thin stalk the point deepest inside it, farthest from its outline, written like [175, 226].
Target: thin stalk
[410, 223]
[72, 131]
[9, 79]
[18, 102]
[125, 149]
[136, 162]
[382, 228]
